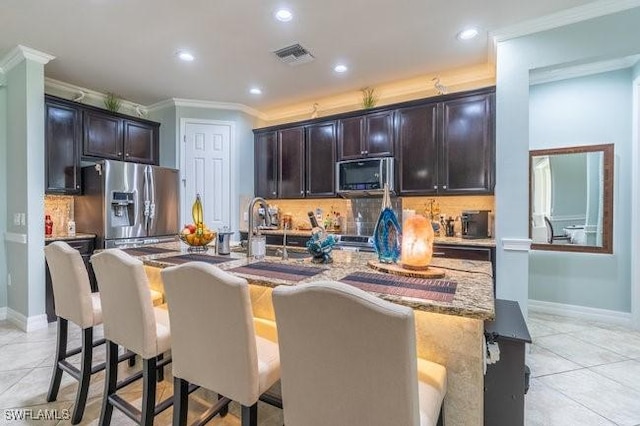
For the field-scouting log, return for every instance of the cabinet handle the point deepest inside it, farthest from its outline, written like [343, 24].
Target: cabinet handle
[439, 253]
[127, 154]
[273, 193]
[77, 186]
[119, 153]
[361, 152]
[444, 186]
[366, 152]
[435, 186]
[301, 192]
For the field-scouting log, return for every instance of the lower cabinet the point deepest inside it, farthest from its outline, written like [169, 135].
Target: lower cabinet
[468, 252]
[506, 380]
[85, 246]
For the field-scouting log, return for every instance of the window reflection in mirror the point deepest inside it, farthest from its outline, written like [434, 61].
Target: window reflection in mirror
[571, 198]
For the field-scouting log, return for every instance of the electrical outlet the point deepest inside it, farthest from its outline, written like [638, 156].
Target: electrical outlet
[23, 219]
[9, 280]
[16, 219]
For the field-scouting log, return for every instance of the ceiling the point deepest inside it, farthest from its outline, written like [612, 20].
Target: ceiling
[129, 46]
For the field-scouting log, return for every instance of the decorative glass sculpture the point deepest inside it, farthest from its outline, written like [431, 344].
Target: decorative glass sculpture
[320, 246]
[387, 233]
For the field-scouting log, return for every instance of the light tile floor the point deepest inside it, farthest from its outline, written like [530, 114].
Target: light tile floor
[582, 374]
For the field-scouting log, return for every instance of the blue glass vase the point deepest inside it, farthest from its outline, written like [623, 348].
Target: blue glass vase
[387, 233]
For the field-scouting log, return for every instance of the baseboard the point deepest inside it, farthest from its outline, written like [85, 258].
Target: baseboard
[581, 312]
[3, 313]
[27, 324]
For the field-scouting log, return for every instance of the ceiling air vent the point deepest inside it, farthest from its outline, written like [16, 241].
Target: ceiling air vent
[294, 55]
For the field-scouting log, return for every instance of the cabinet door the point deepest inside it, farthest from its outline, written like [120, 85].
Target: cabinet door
[265, 164]
[378, 141]
[350, 138]
[321, 160]
[140, 142]
[102, 135]
[467, 154]
[63, 136]
[291, 164]
[417, 149]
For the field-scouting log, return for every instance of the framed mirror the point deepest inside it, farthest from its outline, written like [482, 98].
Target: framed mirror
[571, 199]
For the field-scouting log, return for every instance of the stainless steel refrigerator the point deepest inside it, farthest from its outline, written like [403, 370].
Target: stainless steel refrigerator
[128, 204]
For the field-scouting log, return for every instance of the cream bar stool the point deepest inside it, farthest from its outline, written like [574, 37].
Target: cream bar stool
[349, 358]
[214, 343]
[73, 302]
[131, 320]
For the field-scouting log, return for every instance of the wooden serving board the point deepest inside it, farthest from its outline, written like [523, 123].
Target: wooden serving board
[397, 269]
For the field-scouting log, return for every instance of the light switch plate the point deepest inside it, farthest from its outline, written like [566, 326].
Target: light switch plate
[16, 219]
[23, 220]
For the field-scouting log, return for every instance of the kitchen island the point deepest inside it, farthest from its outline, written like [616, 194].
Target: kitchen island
[447, 332]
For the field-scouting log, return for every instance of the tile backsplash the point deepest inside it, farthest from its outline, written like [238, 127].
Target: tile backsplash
[60, 208]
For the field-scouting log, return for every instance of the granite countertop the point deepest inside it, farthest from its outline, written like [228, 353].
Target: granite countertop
[474, 296]
[78, 236]
[459, 241]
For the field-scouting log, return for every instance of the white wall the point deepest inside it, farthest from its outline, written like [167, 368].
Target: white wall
[586, 111]
[3, 192]
[607, 37]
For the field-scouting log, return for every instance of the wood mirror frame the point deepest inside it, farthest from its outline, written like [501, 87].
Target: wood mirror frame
[607, 199]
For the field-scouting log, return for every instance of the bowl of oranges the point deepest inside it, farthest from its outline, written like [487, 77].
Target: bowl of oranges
[197, 237]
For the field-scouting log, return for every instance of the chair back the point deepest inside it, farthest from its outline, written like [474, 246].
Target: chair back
[127, 309]
[70, 282]
[213, 340]
[347, 358]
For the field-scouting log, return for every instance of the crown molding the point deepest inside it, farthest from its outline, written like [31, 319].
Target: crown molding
[549, 75]
[72, 91]
[556, 20]
[21, 53]
[418, 87]
[195, 103]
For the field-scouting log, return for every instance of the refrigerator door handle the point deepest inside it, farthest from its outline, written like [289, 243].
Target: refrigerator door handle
[152, 196]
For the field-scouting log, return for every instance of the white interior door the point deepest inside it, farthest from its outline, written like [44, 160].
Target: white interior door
[206, 171]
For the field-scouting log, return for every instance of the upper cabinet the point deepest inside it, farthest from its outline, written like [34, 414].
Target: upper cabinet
[266, 165]
[63, 139]
[443, 145]
[291, 163]
[321, 160]
[369, 135]
[447, 147]
[468, 145]
[76, 131]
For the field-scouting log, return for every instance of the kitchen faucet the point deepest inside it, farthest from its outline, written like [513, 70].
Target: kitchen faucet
[252, 204]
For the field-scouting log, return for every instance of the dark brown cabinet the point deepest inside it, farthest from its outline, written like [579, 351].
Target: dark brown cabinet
[266, 165]
[140, 142]
[321, 160]
[447, 147]
[291, 163]
[102, 135]
[417, 149]
[467, 145]
[369, 135]
[85, 246]
[117, 138]
[63, 139]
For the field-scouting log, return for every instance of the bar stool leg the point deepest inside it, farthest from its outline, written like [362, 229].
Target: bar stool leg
[149, 378]
[225, 409]
[110, 382]
[61, 354]
[85, 375]
[250, 415]
[180, 401]
[161, 369]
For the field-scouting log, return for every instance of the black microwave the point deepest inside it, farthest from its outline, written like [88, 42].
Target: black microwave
[364, 177]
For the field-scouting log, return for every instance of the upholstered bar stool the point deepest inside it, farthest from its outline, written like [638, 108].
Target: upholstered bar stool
[213, 341]
[349, 358]
[130, 320]
[74, 302]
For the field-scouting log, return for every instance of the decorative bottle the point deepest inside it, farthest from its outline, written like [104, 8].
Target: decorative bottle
[48, 226]
[387, 233]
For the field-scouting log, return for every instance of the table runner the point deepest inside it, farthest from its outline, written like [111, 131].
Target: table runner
[420, 288]
[279, 271]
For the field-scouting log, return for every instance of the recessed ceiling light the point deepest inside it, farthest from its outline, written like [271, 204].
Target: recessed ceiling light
[255, 91]
[283, 15]
[340, 68]
[468, 34]
[185, 56]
